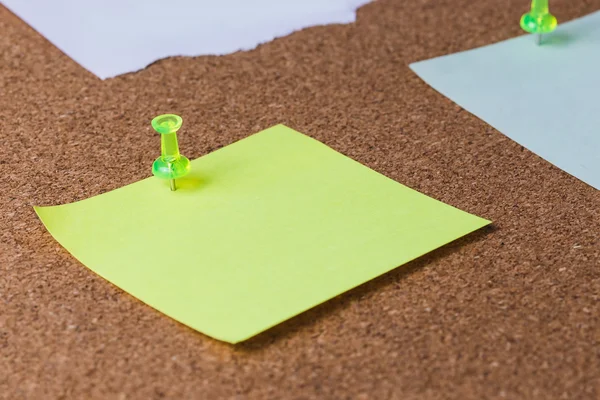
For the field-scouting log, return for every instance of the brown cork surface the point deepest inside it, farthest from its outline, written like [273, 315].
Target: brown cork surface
[512, 311]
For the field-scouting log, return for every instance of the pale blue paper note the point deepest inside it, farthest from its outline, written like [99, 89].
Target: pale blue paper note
[547, 98]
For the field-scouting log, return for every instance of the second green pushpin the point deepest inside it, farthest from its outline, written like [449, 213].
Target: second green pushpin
[538, 20]
[171, 164]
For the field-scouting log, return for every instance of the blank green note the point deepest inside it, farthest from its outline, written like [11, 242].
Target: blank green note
[260, 231]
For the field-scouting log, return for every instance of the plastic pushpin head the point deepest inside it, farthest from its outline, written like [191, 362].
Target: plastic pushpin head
[170, 165]
[167, 123]
[538, 20]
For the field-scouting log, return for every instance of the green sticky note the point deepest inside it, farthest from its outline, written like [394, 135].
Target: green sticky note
[258, 232]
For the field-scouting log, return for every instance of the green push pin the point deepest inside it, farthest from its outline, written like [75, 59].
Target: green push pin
[538, 20]
[170, 165]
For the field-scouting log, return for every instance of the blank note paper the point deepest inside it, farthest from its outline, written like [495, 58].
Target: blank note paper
[112, 37]
[544, 97]
[260, 231]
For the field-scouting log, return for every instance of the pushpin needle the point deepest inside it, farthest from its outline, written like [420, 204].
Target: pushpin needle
[538, 20]
[171, 164]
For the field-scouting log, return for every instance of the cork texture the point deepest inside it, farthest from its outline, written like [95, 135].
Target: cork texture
[511, 311]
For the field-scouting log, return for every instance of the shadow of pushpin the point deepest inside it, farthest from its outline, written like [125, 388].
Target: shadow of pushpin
[538, 20]
[170, 165]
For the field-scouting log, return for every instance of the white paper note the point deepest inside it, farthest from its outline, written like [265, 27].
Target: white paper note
[112, 37]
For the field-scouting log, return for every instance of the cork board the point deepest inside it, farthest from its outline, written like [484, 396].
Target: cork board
[509, 312]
